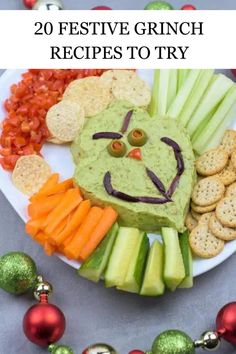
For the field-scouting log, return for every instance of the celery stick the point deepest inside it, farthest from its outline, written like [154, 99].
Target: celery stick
[203, 124]
[172, 90]
[214, 130]
[183, 94]
[163, 92]
[152, 109]
[182, 75]
[214, 95]
[196, 95]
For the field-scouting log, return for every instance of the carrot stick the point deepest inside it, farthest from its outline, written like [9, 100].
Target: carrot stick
[33, 226]
[66, 242]
[69, 202]
[72, 251]
[108, 218]
[44, 205]
[61, 187]
[76, 220]
[53, 179]
[49, 249]
[41, 238]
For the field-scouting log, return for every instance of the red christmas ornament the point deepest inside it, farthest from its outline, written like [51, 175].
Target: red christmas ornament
[136, 351]
[29, 3]
[233, 71]
[44, 323]
[102, 7]
[188, 7]
[226, 322]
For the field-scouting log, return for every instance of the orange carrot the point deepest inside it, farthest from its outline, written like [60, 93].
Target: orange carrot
[108, 218]
[61, 187]
[69, 202]
[49, 249]
[73, 249]
[76, 220]
[33, 226]
[53, 179]
[44, 205]
[65, 242]
[41, 238]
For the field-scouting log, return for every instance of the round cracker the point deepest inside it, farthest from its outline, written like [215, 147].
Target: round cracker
[231, 190]
[195, 215]
[212, 162]
[226, 211]
[228, 174]
[30, 174]
[203, 243]
[130, 87]
[229, 141]
[202, 210]
[64, 120]
[93, 96]
[205, 218]
[190, 222]
[208, 191]
[233, 160]
[56, 141]
[223, 232]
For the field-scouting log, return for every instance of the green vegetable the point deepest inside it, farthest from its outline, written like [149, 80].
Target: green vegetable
[117, 148]
[174, 271]
[121, 256]
[153, 284]
[187, 259]
[214, 129]
[182, 75]
[183, 94]
[172, 89]
[162, 92]
[196, 95]
[137, 137]
[152, 109]
[215, 93]
[134, 276]
[95, 265]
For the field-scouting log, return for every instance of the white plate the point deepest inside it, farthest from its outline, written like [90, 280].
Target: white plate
[60, 160]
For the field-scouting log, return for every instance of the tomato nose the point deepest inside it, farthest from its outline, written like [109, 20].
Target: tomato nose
[135, 154]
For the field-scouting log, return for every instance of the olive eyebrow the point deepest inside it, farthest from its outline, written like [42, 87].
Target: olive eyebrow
[126, 121]
[107, 135]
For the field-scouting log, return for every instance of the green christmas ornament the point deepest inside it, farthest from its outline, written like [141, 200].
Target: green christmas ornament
[173, 342]
[60, 349]
[158, 5]
[17, 272]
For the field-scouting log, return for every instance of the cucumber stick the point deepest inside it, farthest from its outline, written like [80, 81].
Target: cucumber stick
[213, 96]
[152, 109]
[172, 88]
[183, 94]
[134, 276]
[121, 256]
[174, 271]
[195, 96]
[95, 265]
[187, 259]
[223, 115]
[153, 283]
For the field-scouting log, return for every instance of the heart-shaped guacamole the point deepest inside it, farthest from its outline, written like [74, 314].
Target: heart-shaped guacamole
[129, 175]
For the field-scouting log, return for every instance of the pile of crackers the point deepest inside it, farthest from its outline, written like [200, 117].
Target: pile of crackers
[212, 218]
[87, 97]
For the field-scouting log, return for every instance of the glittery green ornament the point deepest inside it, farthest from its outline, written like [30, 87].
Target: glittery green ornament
[60, 349]
[173, 342]
[158, 5]
[17, 272]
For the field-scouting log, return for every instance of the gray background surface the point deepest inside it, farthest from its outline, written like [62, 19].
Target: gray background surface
[97, 314]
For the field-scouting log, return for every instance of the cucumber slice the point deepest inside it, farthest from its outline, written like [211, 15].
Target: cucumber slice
[215, 93]
[152, 109]
[121, 256]
[134, 276]
[183, 94]
[153, 284]
[174, 271]
[195, 96]
[95, 265]
[187, 259]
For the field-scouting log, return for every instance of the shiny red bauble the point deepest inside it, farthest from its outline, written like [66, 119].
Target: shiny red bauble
[233, 71]
[102, 7]
[188, 7]
[136, 351]
[29, 3]
[226, 322]
[44, 324]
